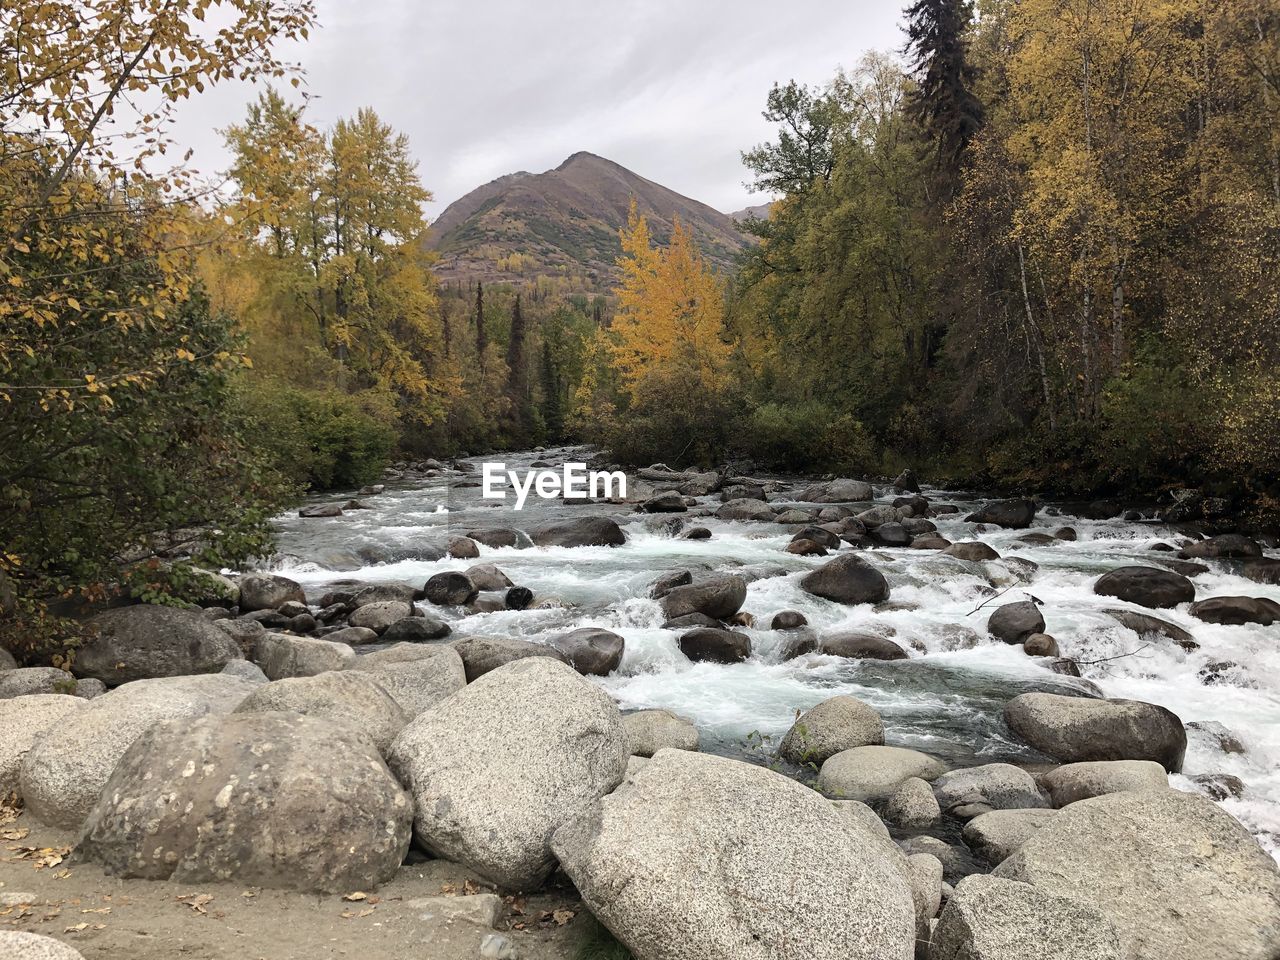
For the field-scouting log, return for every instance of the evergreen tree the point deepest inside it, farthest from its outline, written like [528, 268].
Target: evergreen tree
[482, 342]
[943, 101]
[517, 375]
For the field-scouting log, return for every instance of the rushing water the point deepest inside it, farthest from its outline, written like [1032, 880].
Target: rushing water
[943, 700]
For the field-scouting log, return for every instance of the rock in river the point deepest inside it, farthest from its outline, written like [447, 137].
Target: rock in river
[847, 579]
[145, 641]
[1014, 514]
[869, 773]
[592, 651]
[353, 699]
[1146, 586]
[718, 597]
[579, 532]
[713, 645]
[1076, 729]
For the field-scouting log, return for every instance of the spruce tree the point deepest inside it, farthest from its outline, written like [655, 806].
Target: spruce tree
[943, 101]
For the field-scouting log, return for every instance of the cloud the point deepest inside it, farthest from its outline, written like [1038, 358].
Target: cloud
[672, 90]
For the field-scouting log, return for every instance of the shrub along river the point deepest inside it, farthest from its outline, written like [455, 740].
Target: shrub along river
[946, 698]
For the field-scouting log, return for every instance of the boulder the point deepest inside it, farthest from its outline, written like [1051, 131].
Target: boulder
[860, 646]
[64, 772]
[668, 502]
[878, 516]
[1077, 729]
[480, 655]
[819, 535]
[25, 681]
[321, 510]
[592, 651]
[499, 537]
[16, 945]
[996, 835]
[649, 731]
[1040, 645]
[840, 723]
[740, 490]
[641, 859]
[1014, 622]
[837, 491]
[713, 645]
[891, 535]
[487, 576]
[244, 670]
[719, 598]
[847, 579]
[1265, 570]
[988, 918]
[267, 592]
[462, 548]
[788, 620]
[269, 799]
[924, 872]
[745, 509]
[352, 636]
[1144, 625]
[1237, 610]
[1227, 545]
[668, 582]
[1177, 875]
[145, 641]
[580, 532]
[906, 482]
[1012, 514]
[416, 677]
[22, 721]
[7, 662]
[450, 589]
[870, 773]
[1080, 781]
[382, 592]
[280, 655]
[354, 699]
[413, 630]
[380, 615]
[1146, 586]
[974, 551]
[497, 767]
[993, 786]
[913, 806]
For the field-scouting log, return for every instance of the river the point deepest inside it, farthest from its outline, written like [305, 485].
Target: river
[942, 700]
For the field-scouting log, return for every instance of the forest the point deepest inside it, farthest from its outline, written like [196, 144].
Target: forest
[1037, 249]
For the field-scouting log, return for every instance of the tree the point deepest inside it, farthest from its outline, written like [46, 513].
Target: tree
[943, 99]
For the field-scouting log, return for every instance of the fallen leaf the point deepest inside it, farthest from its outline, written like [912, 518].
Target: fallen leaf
[98, 910]
[77, 928]
[470, 888]
[561, 917]
[196, 902]
[357, 896]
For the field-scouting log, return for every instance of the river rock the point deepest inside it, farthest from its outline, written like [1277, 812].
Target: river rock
[500, 537]
[382, 593]
[745, 509]
[414, 630]
[837, 491]
[1040, 645]
[245, 670]
[668, 582]
[788, 620]
[23, 720]
[1177, 875]
[996, 835]
[1237, 610]
[1013, 514]
[380, 615]
[847, 579]
[669, 501]
[1080, 781]
[719, 598]
[913, 806]
[649, 731]
[16, 945]
[267, 592]
[1146, 586]
[497, 767]
[840, 723]
[640, 860]
[451, 588]
[592, 651]
[1229, 545]
[974, 551]
[870, 773]
[1077, 729]
[924, 872]
[1265, 570]
[993, 786]
[63, 773]
[579, 532]
[347, 697]
[480, 655]
[988, 918]
[1014, 622]
[819, 535]
[462, 548]
[145, 641]
[1144, 624]
[280, 656]
[352, 636]
[487, 576]
[891, 535]
[714, 645]
[416, 677]
[860, 646]
[265, 787]
[26, 681]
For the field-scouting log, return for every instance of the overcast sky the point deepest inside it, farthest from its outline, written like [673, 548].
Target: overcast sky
[672, 90]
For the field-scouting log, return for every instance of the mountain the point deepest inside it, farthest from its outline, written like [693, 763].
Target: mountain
[565, 222]
[759, 212]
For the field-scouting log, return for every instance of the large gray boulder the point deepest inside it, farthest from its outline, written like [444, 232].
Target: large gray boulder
[1080, 781]
[481, 655]
[450, 588]
[837, 491]
[1237, 611]
[913, 805]
[16, 945]
[840, 723]
[719, 598]
[496, 767]
[1177, 875]
[993, 786]
[988, 918]
[1146, 586]
[281, 655]
[380, 614]
[65, 770]
[847, 579]
[924, 871]
[870, 773]
[270, 799]
[416, 677]
[144, 641]
[1014, 622]
[974, 551]
[351, 698]
[1013, 514]
[713, 645]
[592, 651]
[25, 681]
[857, 645]
[579, 532]
[746, 508]
[649, 731]
[1076, 729]
[996, 835]
[1144, 624]
[698, 856]
[23, 720]
[267, 592]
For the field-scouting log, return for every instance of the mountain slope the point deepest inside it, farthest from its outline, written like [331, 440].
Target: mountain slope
[565, 222]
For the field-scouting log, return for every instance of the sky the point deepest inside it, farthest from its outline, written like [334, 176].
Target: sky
[671, 90]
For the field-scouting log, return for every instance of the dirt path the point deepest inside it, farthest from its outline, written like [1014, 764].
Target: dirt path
[109, 919]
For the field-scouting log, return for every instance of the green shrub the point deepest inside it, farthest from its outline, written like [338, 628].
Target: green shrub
[808, 436]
